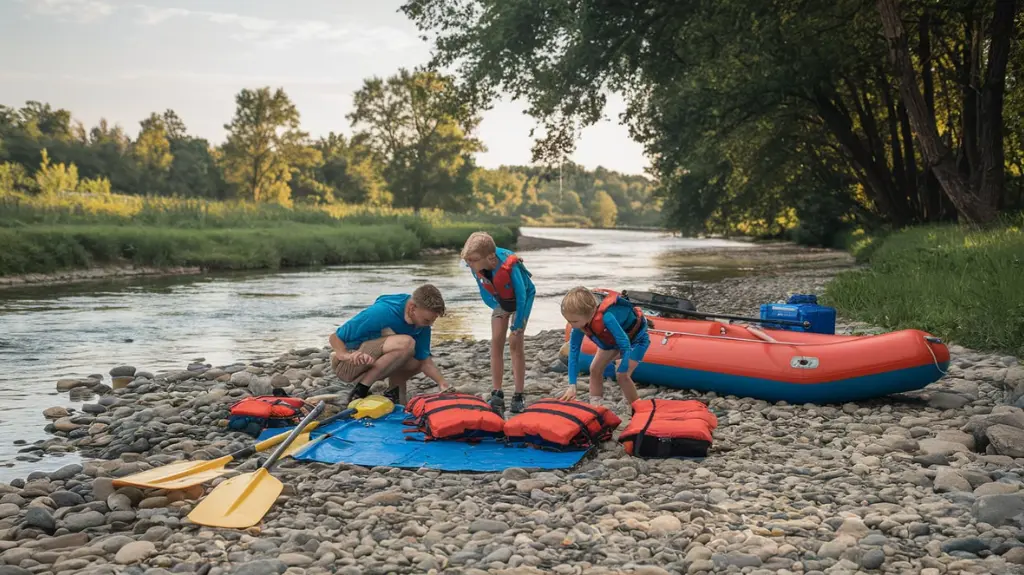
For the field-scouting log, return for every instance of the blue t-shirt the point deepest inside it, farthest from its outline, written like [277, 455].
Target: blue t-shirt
[522, 285]
[387, 311]
[614, 317]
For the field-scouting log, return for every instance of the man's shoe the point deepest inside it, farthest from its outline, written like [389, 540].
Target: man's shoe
[497, 401]
[518, 403]
[358, 392]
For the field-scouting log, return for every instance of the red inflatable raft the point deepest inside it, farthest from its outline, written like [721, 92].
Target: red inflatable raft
[782, 365]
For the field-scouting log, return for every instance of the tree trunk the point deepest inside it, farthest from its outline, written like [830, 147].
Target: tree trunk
[992, 174]
[971, 208]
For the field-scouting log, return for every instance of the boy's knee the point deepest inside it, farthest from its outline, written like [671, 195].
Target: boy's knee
[402, 342]
[515, 343]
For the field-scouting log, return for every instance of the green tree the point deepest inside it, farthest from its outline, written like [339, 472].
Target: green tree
[152, 152]
[603, 211]
[423, 140]
[264, 146]
[54, 179]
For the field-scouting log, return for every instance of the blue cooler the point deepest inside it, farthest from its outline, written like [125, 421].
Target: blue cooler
[801, 308]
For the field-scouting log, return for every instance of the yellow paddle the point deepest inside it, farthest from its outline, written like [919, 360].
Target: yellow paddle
[244, 499]
[375, 406]
[185, 474]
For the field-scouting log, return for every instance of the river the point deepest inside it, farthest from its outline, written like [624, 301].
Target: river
[157, 324]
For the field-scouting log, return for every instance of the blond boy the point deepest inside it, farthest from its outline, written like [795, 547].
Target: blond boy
[506, 287]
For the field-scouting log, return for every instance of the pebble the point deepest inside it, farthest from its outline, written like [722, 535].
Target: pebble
[894, 485]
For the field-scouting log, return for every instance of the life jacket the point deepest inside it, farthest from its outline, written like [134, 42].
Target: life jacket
[453, 416]
[597, 329]
[254, 414]
[663, 428]
[558, 424]
[500, 284]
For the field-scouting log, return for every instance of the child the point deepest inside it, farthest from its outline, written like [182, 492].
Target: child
[506, 288]
[617, 328]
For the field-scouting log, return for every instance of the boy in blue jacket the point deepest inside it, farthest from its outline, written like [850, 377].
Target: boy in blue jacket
[617, 328]
[506, 287]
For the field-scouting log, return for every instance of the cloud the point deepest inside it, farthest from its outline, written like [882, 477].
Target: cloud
[281, 33]
[71, 10]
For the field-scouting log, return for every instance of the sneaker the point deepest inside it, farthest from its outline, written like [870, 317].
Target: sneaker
[392, 394]
[518, 403]
[358, 392]
[497, 401]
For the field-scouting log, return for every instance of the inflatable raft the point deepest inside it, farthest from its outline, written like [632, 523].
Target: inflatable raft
[782, 365]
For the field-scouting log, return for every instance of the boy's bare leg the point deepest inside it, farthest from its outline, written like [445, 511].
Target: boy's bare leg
[400, 377]
[601, 360]
[626, 383]
[499, 325]
[397, 349]
[517, 350]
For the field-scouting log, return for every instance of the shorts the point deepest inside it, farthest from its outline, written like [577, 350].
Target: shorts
[499, 312]
[349, 372]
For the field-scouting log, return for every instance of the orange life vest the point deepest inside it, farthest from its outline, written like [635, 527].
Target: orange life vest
[669, 428]
[597, 329]
[453, 416]
[560, 424]
[270, 406]
[500, 284]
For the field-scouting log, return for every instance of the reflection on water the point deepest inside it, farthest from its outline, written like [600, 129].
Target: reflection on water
[165, 323]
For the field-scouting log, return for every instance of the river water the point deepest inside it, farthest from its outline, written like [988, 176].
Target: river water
[49, 333]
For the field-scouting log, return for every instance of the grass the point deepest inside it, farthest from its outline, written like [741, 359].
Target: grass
[959, 284]
[42, 235]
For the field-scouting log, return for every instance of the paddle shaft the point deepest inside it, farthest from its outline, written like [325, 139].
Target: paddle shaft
[277, 439]
[668, 309]
[295, 433]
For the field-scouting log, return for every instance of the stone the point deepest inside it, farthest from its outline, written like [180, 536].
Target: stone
[123, 371]
[943, 400]
[939, 447]
[135, 552]
[998, 510]
[948, 479]
[872, 559]
[260, 567]
[1006, 440]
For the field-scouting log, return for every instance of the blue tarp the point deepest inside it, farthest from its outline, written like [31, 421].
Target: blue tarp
[373, 442]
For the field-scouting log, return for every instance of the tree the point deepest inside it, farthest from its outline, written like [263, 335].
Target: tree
[152, 151]
[264, 146]
[423, 140]
[603, 211]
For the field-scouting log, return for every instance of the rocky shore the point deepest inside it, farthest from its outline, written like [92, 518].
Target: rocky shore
[927, 482]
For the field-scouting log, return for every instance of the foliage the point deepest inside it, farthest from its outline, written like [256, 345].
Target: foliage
[751, 111]
[956, 283]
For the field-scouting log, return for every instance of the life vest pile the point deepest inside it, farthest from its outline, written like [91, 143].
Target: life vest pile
[453, 416]
[561, 425]
[663, 428]
[254, 414]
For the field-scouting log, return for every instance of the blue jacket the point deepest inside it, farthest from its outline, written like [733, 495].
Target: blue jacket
[521, 284]
[613, 320]
[386, 311]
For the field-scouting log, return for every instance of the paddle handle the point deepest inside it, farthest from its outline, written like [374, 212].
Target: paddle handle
[295, 433]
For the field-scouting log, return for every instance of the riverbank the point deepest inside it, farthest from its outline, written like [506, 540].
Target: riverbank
[959, 284]
[892, 485]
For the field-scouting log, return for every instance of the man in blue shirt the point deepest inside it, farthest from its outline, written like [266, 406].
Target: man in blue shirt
[505, 286]
[390, 339]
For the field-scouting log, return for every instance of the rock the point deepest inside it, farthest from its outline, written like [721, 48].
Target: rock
[666, 525]
[260, 567]
[122, 371]
[279, 380]
[69, 384]
[997, 510]
[84, 520]
[66, 472]
[872, 559]
[260, 386]
[13, 570]
[943, 400]
[295, 559]
[1006, 440]
[488, 525]
[41, 518]
[1015, 556]
[135, 552]
[940, 447]
[9, 510]
[948, 479]
[55, 412]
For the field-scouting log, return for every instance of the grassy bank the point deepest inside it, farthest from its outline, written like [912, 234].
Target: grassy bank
[46, 235]
[958, 284]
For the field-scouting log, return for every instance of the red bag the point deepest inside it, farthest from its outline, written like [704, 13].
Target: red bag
[254, 414]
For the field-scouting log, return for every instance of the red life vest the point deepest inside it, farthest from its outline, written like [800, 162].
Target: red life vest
[559, 424]
[453, 416]
[500, 284]
[597, 329]
[270, 407]
[669, 428]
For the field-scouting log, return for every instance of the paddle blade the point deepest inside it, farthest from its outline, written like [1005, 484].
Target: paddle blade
[374, 406]
[181, 475]
[238, 502]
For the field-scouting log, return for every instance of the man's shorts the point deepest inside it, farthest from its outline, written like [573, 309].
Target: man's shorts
[349, 372]
[499, 312]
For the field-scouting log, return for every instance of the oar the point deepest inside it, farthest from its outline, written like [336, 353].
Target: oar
[244, 499]
[185, 474]
[374, 406]
[664, 303]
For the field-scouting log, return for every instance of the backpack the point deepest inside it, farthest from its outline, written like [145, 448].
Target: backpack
[254, 414]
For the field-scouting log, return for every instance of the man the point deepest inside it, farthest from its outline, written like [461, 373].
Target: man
[390, 339]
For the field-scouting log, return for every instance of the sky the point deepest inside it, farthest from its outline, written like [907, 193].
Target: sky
[122, 60]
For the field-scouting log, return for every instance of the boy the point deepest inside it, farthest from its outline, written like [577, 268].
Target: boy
[617, 328]
[506, 288]
[391, 339]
